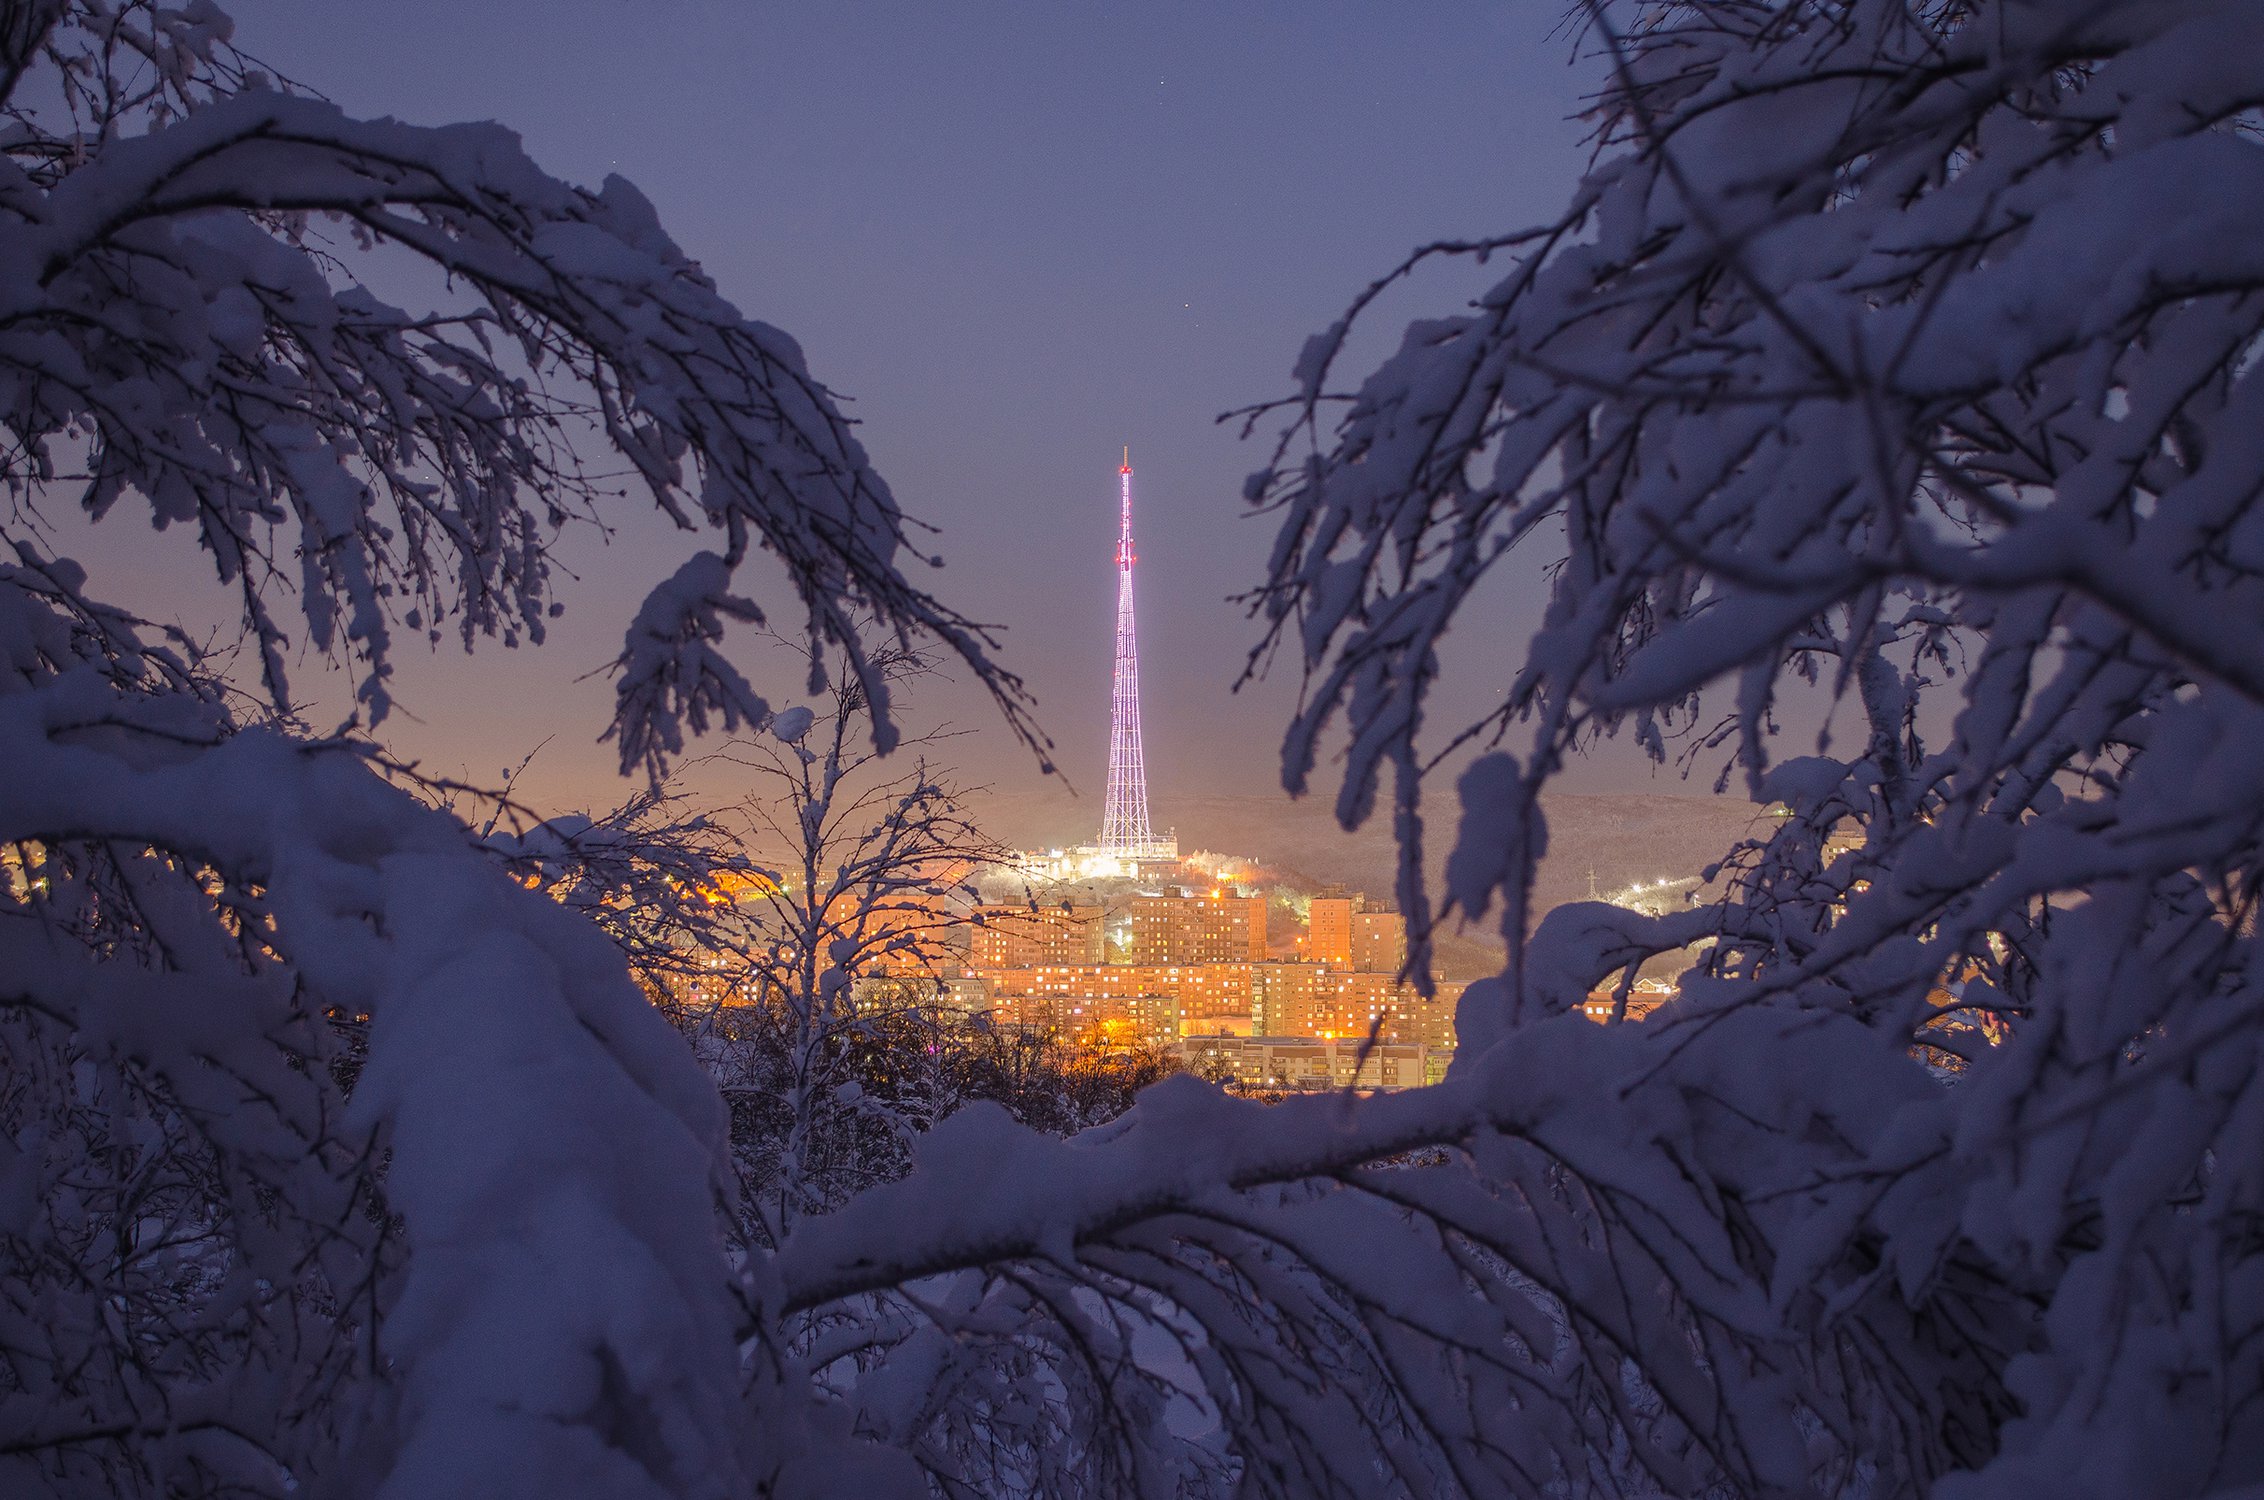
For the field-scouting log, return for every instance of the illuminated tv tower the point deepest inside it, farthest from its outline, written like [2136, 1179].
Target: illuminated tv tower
[1124, 822]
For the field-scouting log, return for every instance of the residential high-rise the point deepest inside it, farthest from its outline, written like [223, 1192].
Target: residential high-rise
[1125, 832]
[1329, 930]
[1288, 999]
[1023, 937]
[1379, 941]
[1343, 934]
[1213, 929]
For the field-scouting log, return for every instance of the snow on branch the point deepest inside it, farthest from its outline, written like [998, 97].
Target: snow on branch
[180, 323]
[220, 1269]
[1903, 357]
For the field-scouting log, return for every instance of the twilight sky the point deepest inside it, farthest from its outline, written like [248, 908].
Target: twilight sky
[1016, 236]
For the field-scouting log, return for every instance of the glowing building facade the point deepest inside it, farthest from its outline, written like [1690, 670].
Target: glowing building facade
[1212, 929]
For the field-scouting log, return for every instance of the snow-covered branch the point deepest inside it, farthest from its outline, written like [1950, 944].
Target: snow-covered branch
[178, 323]
[1901, 358]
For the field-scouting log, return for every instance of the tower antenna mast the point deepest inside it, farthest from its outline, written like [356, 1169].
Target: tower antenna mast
[1124, 820]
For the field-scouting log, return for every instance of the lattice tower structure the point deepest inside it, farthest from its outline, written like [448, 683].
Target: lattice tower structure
[1125, 831]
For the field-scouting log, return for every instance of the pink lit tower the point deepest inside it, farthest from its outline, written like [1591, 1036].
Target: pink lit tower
[1125, 834]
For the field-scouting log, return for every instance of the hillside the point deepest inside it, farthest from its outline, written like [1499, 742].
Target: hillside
[1621, 838]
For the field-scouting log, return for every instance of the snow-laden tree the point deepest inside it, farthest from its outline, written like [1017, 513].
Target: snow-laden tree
[495, 1268]
[1905, 355]
[831, 1048]
[1902, 358]
[186, 337]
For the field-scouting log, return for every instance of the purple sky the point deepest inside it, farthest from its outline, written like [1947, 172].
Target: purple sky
[1017, 236]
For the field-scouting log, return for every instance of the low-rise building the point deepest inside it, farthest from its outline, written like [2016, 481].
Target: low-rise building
[1647, 996]
[1295, 1064]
